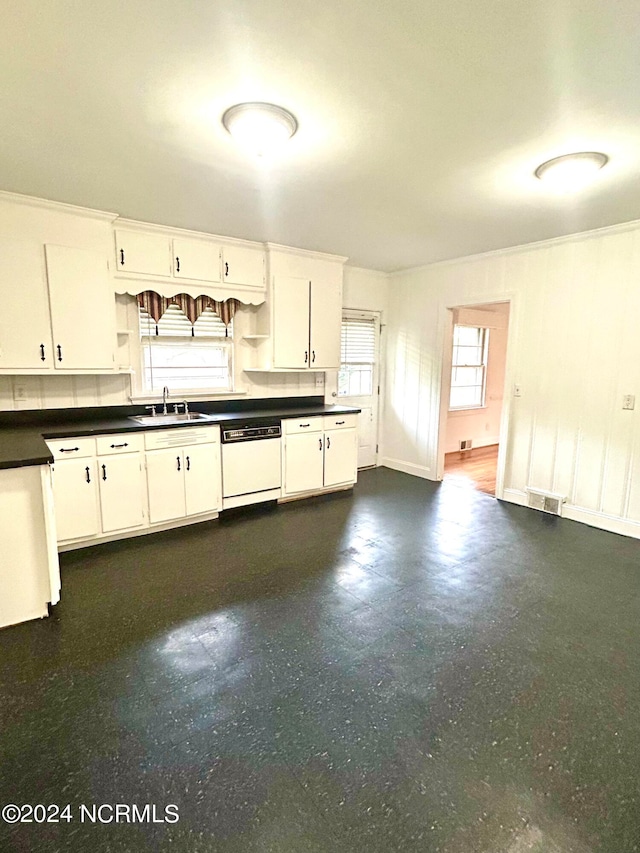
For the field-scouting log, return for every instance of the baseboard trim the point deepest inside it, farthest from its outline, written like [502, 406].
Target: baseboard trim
[141, 531]
[593, 518]
[407, 468]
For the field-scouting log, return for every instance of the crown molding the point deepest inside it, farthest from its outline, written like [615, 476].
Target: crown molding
[618, 228]
[305, 253]
[59, 206]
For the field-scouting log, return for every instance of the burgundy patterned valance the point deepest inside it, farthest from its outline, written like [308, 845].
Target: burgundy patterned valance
[155, 305]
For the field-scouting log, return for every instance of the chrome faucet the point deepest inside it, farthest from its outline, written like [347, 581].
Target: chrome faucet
[186, 407]
[165, 394]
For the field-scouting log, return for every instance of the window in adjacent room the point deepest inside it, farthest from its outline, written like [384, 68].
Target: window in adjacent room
[186, 357]
[357, 357]
[469, 367]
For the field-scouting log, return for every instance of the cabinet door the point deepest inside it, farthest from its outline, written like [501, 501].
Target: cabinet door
[82, 308]
[25, 327]
[202, 478]
[148, 254]
[75, 498]
[165, 484]
[340, 457]
[243, 265]
[303, 462]
[291, 322]
[196, 259]
[326, 319]
[121, 491]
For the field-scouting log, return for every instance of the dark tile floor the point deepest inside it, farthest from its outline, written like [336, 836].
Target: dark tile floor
[414, 667]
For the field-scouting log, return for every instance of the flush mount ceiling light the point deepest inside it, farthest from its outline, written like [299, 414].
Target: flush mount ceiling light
[571, 171]
[259, 128]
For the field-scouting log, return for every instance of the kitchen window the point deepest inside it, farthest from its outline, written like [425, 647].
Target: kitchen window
[183, 356]
[357, 357]
[469, 367]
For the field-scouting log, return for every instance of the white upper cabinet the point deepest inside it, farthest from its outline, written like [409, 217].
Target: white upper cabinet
[306, 322]
[58, 310]
[243, 265]
[291, 300]
[325, 318]
[25, 326]
[143, 253]
[196, 259]
[82, 309]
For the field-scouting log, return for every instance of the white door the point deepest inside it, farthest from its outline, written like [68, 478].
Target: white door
[25, 326]
[340, 457]
[121, 491]
[136, 252]
[197, 259]
[82, 308]
[326, 309]
[165, 484]
[75, 498]
[202, 478]
[358, 378]
[290, 322]
[243, 265]
[303, 462]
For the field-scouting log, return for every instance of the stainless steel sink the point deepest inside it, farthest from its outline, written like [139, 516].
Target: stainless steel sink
[159, 420]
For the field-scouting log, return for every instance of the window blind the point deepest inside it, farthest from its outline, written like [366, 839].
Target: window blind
[175, 323]
[358, 341]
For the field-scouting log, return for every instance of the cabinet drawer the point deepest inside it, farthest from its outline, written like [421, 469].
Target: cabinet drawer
[119, 443]
[340, 421]
[293, 425]
[71, 448]
[181, 437]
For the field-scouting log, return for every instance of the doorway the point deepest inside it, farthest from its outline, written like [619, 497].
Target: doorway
[476, 366]
[359, 377]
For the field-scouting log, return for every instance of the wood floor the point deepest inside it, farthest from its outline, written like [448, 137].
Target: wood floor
[475, 467]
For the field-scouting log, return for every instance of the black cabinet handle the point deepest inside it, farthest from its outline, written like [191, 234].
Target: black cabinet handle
[69, 449]
[121, 257]
[42, 352]
[188, 464]
[328, 442]
[178, 458]
[339, 423]
[177, 264]
[320, 444]
[303, 426]
[226, 269]
[88, 475]
[126, 444]
[306, 356]
[313, 353]
[104, 472]
[59, 348]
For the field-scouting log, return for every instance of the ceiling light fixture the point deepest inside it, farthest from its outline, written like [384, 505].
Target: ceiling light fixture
[259, 128]
[571, 171]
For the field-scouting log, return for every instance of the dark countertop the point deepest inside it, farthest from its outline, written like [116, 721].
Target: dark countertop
[22, 446]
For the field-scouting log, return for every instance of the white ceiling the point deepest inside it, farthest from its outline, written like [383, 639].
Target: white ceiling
[420, 123]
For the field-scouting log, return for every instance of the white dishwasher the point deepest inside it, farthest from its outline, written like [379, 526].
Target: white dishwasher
[251, 463]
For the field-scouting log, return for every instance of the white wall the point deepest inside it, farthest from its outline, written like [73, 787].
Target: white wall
[482, 425]
[574, 349]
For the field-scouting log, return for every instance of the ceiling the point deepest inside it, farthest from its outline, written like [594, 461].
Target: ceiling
[420, 124]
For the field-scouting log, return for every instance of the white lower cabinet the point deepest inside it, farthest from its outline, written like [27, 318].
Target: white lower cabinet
[340, 457]
[319, 453]
[121, 491]
[183, 478]
[98, 486]
[75, 498]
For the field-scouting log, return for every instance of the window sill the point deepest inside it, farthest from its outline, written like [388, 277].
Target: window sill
[467, 409]
[190, 396]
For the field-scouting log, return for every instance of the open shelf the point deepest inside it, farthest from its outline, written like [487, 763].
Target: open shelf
[255, 337]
